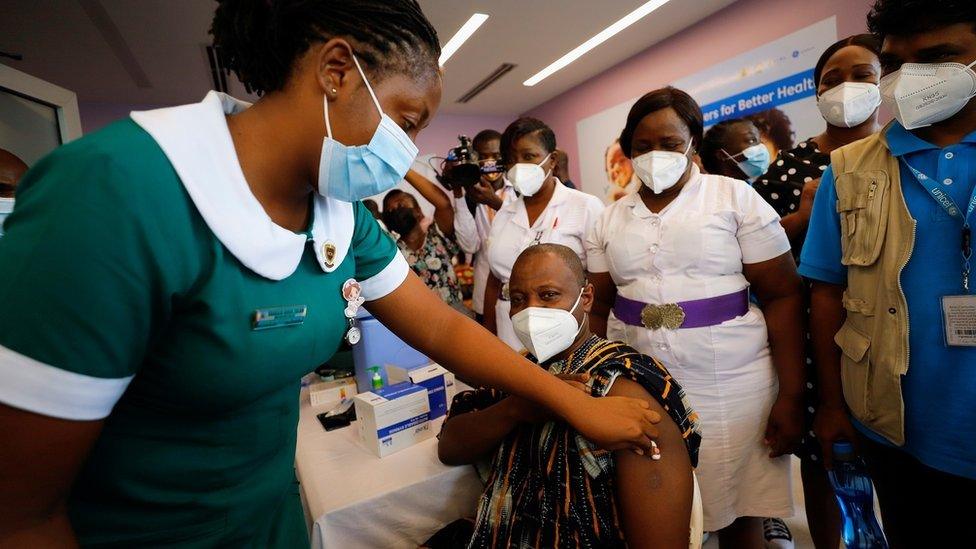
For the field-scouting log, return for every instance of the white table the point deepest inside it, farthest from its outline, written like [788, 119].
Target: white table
[356, 500]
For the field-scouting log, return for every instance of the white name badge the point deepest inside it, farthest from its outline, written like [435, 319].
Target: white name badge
[959, 315]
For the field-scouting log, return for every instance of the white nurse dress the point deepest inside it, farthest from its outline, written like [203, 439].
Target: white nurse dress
[694, 249]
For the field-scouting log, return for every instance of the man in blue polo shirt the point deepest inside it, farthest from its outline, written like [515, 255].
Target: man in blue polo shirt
[888, 250]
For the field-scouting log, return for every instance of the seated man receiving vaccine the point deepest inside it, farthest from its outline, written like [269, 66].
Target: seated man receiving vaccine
[548, 486]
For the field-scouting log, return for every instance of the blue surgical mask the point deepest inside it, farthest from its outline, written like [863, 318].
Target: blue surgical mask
[755, 161]
[354, 173]
[6, 206]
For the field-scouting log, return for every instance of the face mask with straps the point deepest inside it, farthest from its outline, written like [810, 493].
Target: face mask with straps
[351, 174]
[545, 332]
[922, 94]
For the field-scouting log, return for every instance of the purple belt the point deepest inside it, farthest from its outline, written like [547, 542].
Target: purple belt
[696, 313]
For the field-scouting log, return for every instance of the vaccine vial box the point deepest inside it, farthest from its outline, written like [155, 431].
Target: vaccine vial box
[393, 418]
[433, 377]
[330, 393]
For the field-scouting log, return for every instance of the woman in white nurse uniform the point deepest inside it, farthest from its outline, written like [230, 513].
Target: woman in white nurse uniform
[675, 262]
[545, 211]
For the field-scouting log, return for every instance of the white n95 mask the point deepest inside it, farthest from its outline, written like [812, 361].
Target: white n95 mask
[528, 178]
[922, 94]
[661, 170]
[849, 104]
[547, 332]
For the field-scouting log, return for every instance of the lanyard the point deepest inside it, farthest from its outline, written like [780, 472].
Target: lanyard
[943, 199]
[539, 233]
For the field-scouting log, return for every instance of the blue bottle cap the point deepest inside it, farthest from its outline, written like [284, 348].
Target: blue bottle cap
[843, 450]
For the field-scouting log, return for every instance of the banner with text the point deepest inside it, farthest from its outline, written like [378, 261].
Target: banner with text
[772, 85]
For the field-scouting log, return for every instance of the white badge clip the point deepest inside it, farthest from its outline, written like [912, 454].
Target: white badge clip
[352, 293]
[959, 317]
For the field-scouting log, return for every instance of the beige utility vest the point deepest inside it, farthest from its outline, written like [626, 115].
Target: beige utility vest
[877, 238]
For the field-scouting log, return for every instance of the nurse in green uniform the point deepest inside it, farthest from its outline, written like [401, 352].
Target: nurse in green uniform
[165, 282]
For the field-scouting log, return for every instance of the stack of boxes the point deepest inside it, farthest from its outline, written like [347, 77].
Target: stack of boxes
[414, 393]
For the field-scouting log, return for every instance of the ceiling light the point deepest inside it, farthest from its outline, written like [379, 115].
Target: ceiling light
[600, 38]
[461, 36]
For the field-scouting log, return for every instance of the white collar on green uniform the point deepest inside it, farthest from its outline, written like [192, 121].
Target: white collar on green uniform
[197, 143]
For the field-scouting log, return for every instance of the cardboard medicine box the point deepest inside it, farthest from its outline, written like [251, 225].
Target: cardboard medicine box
[393, 418]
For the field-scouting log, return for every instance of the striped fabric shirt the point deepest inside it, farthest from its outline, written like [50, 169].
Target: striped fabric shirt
[547, 486]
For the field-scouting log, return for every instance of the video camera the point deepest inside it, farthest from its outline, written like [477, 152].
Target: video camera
[461, 168]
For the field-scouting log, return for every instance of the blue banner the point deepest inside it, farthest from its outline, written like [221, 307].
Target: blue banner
[786, 90]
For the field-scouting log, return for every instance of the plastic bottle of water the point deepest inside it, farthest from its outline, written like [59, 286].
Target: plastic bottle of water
[855, 495]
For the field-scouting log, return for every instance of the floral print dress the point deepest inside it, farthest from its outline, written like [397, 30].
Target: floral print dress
[433, 263]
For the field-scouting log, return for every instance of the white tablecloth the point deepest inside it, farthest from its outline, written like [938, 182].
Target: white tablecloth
[356, 500]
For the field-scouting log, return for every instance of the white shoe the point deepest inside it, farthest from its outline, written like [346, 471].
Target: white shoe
[777, 534]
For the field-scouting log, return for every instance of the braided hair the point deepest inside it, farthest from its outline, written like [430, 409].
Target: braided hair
[260, 40]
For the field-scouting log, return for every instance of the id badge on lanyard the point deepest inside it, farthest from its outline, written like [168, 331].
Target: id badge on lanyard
[959, 318]
[958, 311]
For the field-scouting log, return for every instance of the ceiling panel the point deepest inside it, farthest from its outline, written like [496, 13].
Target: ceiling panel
[166, 38]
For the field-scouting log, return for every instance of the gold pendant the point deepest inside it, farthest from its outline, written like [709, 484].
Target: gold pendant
[329, 253]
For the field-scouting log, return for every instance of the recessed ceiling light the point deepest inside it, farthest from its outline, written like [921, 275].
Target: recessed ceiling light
[461, 36]
[600, 38]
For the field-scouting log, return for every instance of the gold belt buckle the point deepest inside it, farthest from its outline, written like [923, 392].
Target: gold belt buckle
[668, 315]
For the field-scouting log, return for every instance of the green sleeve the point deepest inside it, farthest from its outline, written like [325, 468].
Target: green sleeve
[82, 274]
[380, 268]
